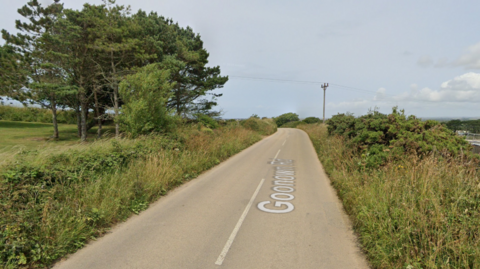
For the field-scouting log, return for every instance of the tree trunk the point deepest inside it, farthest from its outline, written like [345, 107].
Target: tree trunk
[97, 111]
[79, 120]
[84, 109]
[53, 104]
[178, 103]
[115, 98]
[115, 94]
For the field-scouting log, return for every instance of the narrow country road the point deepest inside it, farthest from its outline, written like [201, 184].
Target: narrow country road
[270, 206]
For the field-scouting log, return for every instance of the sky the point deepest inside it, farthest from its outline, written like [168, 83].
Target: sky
[422, 56]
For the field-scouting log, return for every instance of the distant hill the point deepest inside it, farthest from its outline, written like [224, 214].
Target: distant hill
[449, 118]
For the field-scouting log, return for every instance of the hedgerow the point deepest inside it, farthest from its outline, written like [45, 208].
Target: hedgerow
[380, 137]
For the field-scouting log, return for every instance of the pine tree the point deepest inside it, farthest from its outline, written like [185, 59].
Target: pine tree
[35, 56]
[117, 49]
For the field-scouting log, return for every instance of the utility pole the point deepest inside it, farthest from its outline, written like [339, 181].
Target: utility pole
[324, 86]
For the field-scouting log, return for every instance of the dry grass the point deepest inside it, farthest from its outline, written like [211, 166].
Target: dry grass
[52, 201]
[419, 212]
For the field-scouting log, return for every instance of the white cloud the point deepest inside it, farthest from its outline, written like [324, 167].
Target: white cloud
[471, 58]
[425, 61]
[461, 91]
[464, 88]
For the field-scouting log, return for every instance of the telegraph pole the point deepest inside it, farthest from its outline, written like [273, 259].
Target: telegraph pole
[324, 86]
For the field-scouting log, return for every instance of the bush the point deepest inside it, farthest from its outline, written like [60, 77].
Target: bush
[379, 137]
[264, 127]
[207, 121]
[284, 118]
[291, 124]
[311, 120]
[412, 212]
[145, 95]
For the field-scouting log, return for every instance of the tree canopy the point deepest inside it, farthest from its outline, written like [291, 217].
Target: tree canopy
[77, 59]
[287, 117]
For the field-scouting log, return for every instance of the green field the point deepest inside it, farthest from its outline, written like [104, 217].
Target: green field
[17, 135]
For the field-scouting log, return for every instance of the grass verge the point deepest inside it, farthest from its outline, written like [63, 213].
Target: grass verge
[54, 200]
[415, 212]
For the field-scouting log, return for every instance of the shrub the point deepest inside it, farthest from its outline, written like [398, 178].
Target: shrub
[291, 124]
[284, 118]
[207, 121]
[145, 95]
[412, 212]
[379, 137]
[311, 120]
[264, 127]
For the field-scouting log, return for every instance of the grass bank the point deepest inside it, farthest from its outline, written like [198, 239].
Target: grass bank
[411, 212]
[54, 200]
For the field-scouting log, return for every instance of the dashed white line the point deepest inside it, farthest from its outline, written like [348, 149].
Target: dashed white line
[237, 227]
[284, 142]
[277, 154]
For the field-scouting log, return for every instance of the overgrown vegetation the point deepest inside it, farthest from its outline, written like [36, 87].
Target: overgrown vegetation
[54, 200]
[262, 126]
[291, 120]
[380, 138]
[412, 205]
[285, 118]
[31, 114]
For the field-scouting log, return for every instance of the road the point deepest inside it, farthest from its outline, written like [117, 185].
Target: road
[270, 206]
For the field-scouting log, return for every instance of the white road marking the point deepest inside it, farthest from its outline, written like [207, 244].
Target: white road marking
[276, 155]
[284, 142]
[237, 227]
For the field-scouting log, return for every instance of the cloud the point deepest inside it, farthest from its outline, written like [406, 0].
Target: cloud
[471, 58]
[461, 91]
[425, 61]
[464, 88]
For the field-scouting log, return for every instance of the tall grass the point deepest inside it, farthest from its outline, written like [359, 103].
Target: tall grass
[263, 126]
[52, 201]
[418, 212]
[32, 114]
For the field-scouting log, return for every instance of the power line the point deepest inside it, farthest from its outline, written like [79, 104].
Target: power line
[343, 87]
[279, 80]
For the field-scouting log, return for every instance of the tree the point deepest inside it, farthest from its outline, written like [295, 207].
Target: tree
[77, 31]
[181, 51]
[145, 94]
[45, 79]
[194, 80]
[12, 75]
[454, 125]
[117, 49]
[284, 118]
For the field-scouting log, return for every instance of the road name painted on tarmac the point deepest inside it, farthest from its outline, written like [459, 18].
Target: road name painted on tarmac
[283, 185]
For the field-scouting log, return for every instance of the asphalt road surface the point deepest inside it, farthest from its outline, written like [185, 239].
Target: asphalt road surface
[270, 206]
